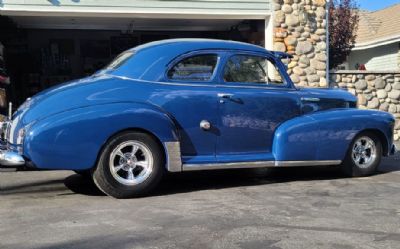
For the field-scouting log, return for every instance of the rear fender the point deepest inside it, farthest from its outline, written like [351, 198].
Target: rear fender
[73, 139]
[326, 135]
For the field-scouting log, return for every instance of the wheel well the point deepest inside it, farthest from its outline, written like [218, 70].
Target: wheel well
[381, 136]
[133, 130]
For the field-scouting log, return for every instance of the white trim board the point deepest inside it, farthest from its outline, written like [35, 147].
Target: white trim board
[377, 43]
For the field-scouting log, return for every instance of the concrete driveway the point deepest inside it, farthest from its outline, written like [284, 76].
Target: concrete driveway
[286, 208]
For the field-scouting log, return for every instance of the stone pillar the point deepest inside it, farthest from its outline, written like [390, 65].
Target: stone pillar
[305, 39]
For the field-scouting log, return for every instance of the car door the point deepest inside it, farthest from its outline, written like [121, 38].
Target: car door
[255, 97]
[190, 97]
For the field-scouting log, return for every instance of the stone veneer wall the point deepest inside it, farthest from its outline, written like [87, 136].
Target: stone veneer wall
[374, 90]
[304, 39]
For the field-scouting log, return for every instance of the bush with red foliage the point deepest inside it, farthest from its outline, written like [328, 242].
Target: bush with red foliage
[343, 24]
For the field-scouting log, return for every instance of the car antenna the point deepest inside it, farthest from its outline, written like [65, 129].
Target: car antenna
[9, 110]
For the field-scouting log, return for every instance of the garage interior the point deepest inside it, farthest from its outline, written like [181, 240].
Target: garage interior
[42, 51]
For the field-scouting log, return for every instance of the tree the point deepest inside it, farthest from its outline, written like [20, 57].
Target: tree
[343, 24]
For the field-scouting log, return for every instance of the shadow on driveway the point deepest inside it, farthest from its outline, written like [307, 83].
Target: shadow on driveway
[390, 164]
[218, 179]
[195, 181]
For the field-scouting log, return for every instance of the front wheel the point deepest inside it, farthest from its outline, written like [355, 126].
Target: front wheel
[131, 165]
[363, 156]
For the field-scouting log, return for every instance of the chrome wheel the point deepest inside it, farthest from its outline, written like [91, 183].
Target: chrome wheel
[364, 152]
[131, 162]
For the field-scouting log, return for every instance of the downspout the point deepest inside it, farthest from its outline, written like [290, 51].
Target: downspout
[328, 5]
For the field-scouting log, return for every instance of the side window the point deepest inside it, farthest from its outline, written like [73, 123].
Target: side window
[195, 68]
[252, 69]
[120, 59]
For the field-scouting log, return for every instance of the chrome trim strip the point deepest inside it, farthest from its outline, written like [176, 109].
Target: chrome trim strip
[310, 99]
[207, 84]
[306, 163]
[174, 161]
[258, 164]
[240, 165]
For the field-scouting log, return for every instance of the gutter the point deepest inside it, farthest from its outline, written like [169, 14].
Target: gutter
[377, 43]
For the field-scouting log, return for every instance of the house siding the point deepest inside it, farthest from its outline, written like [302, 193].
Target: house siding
[379, 58]
[256, 7]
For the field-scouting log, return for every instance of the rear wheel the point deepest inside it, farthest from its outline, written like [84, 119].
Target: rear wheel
[363, 156]
[131, 165]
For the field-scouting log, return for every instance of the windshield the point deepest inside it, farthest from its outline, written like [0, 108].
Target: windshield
[286, 62]
[119, 60]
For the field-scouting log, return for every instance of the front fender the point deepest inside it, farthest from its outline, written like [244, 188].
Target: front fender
[326, 135]
[73, 139]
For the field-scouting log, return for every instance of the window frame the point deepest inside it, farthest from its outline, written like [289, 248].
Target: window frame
[185, 56]
[286, 83]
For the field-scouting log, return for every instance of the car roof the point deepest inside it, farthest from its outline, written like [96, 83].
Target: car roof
[200, 44]
[150, 60]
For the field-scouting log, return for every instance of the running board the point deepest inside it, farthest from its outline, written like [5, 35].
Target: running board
[258, 164]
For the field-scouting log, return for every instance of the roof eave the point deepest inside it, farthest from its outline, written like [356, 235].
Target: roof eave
[377, 43]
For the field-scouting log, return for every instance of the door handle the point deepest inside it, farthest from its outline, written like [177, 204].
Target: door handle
[310, 99]
[225, 95]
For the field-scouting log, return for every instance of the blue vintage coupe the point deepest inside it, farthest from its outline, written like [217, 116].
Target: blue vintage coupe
[191, 104]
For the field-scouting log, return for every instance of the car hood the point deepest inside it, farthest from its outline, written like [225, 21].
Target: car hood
[317, 99]
[328, 93]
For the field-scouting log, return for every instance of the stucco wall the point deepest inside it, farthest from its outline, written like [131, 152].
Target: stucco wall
[378, 90]
[305, 39]
[379, 58]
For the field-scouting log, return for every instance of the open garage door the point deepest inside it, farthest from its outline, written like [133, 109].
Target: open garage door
[43, 51]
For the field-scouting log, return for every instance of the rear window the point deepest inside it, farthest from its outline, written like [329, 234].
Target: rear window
[195, 68]
[120, 60]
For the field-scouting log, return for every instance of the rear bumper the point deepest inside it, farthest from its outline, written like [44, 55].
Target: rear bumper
[11, 159]
[8, 157]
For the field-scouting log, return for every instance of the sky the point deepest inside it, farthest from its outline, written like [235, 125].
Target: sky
[373, 5]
